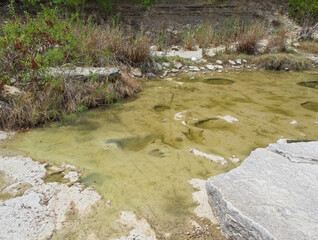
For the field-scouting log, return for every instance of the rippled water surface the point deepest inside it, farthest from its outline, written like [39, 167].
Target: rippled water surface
[137, 155]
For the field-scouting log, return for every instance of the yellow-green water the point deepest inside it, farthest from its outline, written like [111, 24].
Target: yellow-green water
[137, 154]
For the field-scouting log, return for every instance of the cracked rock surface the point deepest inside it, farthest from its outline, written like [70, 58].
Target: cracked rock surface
[41, 208]
[272, 195]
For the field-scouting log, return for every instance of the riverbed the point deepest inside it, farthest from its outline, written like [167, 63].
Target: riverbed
[141, 154]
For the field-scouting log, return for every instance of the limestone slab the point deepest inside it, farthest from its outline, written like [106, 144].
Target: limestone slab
[270, 196]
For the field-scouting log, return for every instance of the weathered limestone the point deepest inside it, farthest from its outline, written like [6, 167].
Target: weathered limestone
[203, 210]
[272, 195]
[176, 13]
[139, 228]
[42, 208]
[85, 73]
[193, 55]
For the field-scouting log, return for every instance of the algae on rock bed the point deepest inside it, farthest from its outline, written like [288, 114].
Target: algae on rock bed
[137, 154]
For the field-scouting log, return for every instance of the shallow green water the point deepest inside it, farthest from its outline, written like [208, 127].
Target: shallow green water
[137, 154]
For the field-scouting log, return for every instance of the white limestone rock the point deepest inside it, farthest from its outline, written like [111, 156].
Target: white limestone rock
[272, 195]
[213, 158]
[139, 228]
[85, 72]
[203, 210]
[42, 208]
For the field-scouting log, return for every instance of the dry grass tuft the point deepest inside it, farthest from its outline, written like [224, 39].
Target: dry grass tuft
[277, 41]
[309, 46]
[109, 44]
[40, 104]
[125, 86]
[248, 37]
[282, 61]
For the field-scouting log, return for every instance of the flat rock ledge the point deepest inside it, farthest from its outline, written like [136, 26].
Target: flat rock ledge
[33, 209]
[85, 72]
[272, 195]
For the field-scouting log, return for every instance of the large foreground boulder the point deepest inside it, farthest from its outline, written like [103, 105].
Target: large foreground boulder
[272, 195]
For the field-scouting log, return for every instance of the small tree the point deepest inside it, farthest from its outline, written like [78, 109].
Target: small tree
[305, 12]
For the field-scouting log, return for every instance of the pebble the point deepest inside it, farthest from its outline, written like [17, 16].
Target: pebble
[210, 67]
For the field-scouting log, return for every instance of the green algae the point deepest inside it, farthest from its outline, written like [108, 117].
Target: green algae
[137, 154]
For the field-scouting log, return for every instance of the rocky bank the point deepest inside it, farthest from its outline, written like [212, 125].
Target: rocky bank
[32, 208]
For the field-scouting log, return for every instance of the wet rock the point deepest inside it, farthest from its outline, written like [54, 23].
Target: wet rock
[211, 157]
[310, 84]
[161, 108]
[229, 118]
[136, 72]
[234, 159]
[312, 106]
[272, 195]
[294, 122]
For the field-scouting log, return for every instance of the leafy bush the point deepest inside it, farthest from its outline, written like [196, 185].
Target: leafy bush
[29, 45]
[304, 11]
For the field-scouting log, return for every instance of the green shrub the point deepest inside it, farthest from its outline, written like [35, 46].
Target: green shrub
[304, 11]
[29, 45]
